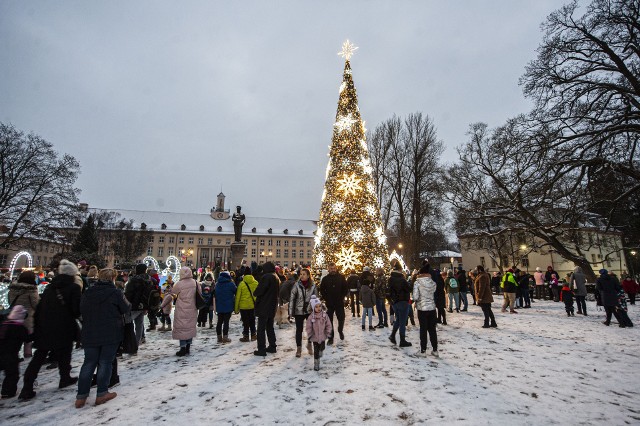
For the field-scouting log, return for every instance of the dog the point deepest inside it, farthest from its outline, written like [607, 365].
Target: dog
[282, 315]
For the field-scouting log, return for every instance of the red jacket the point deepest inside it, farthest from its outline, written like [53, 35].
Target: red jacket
[630, 286]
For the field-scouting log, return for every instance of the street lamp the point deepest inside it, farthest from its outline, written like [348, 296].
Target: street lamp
[186, 253]
[266, 255]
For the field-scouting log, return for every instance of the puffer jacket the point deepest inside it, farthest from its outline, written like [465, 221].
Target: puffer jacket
[399, 288]
[267, 293]
[300, 297]
[424, 290]
[102, 307]
[225, 294]
[367, 297]
[483, 288]
[26, 295]
[186, 314]
[318, 326]
[244, 298]
[167, 304]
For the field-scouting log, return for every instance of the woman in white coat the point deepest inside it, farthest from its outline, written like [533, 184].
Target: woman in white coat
[186, 313]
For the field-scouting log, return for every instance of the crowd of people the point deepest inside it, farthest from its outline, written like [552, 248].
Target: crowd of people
[103, 311]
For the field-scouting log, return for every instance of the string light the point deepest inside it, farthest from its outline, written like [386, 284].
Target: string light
[344, 123]
[14, 261]
[348, 50]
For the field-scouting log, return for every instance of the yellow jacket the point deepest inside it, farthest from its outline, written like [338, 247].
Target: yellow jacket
[244, 298]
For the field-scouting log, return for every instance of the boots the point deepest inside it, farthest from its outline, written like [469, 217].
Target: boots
[392, 339]
[299, 352]
[181, 352]
[67, 382]
[245, 338]
[169, 328]
[225, 339]
[188, 348]
[210, 324]
[220, 338]
[404, 343]
[80, 402]
[162, 328]
[309, 347]
[254, 337]
[316, 364]
[106, 397]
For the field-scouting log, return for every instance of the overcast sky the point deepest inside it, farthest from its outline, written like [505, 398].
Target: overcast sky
[166, 103]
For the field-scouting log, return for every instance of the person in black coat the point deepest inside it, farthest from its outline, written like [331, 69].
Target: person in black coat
[463, 284]
[267, 295]
[102, 308]
[333, 290]
[55, 328]
[440, 297]
[400, 293]
[607, 295]
[13, 334]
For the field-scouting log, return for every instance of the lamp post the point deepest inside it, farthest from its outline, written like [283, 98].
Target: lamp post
[185, 254]
[524, 247]
[633, 260]
[266, 255]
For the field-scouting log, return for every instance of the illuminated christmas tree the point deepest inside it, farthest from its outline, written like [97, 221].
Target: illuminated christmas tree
[350, 226]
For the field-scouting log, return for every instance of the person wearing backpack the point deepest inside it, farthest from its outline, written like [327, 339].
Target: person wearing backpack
[134, 292]
[245, 304]
[453, 290]
[299, 307]
[25, 293]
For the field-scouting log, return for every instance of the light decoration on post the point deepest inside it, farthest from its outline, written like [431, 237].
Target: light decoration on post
[349, 217]
[173, 268]
[151, 261]
[14, 262]
[395, 256]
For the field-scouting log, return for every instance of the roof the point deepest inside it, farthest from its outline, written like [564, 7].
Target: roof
[193, 221]
[443, 253]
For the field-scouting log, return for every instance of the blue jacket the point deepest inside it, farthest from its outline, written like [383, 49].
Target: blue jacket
[102, 307]
[225, 294]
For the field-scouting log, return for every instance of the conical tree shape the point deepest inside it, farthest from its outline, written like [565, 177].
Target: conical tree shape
[350, 226]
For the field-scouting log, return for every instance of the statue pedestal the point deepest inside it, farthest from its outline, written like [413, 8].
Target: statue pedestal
[237, 254]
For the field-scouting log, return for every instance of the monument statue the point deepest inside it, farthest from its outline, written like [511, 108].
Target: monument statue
[238, 220]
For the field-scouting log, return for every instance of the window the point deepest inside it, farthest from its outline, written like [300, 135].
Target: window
[245, 241]
[482, 260]
[151, 239]
[608, 261]
[149, 250]
[301, 254]
[278, 253]
[524, 261]
[253, 252]
[200, 241]
[293, 254]
[209, 241]
[261, 242]
[286, 264]
[161, 240]
[278, 243]
[181, 240]
[286, 253]
[160, 251]
[309, 254]
[179, 250]
[190, 240]
[493, 263]
[269, 242]
[309, 243]
[293, 243]
[593, 258]
[286, 243]
[170, 251]
[172, 240]
[245, 252]
[228, 241]
[253, 242]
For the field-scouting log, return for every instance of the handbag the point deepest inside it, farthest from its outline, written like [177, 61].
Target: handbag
[129, 343]
[4, 314]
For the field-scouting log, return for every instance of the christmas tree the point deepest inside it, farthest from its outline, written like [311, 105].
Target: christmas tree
[350, 226]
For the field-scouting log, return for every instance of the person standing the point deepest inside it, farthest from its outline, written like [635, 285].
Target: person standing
[607, 290]
[484, 297]
[463, 285]
[318, 328]
[245, 304]
[224, 304]
[186, 313]
[333, 289]
[25, 293]
[630, 286]
[353, 282]
[441, 298]
[495, 282]
[400, 292]
[424, 290]
[368, 299]
[299, 307]
[453, 290]
[525, 300]
[578, 282]
[134, 292]
[13, 334]
[55, 328]
[102, 307]
[267, 294]
[538, 276]
[509, 286]
[548, 278]
[380, 290]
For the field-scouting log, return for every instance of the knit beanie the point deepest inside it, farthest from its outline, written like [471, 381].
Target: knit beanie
[314, 301]
[67, 268]
[603, 271]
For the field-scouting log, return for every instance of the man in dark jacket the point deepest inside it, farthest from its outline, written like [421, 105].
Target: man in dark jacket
[463, 285]
[380, 290]
[607, 290]
[102, 307]
[400, 292]
[353, 282]
[55, 328]
[333, 289]
[134, 292]
[440, 297]
[267, 294]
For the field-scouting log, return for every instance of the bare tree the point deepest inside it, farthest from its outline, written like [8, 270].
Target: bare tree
[37, 193]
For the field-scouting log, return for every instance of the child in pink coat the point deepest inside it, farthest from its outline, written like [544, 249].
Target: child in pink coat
[318, 329]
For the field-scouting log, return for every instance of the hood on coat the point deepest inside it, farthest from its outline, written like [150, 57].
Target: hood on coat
[99, 292]
[268, 268]
[249, 280]
[224, 279]
[185, 272]
[23, 287]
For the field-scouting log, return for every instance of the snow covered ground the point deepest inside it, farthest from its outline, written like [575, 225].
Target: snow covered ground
[538, 367]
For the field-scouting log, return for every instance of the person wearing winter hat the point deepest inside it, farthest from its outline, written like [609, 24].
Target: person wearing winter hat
[299, 306]
[318, 329]
[12, 334]
[186, 313]
[224, 304]
[55, 328]
[25, 293]
[607, 290]
[134, 292]
[424, 290]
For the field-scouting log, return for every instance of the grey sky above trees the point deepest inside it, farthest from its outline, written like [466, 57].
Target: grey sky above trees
[164, 104]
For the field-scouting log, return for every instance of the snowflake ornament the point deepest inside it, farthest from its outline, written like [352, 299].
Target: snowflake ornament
[378, 262]
[380, 236]
[320, 259]
[357, 235]
[348, 258]
[344, 123]
[349, 184]
[338, 207]
[371, 210]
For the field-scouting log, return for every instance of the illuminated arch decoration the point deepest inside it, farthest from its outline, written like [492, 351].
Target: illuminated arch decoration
[151, 262]
[14, 261]
[173, 268]
[396, 256]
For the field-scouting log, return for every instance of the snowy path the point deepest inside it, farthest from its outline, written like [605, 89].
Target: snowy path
[538, 367]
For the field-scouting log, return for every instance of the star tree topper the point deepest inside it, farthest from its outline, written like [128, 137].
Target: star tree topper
[348, 49]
